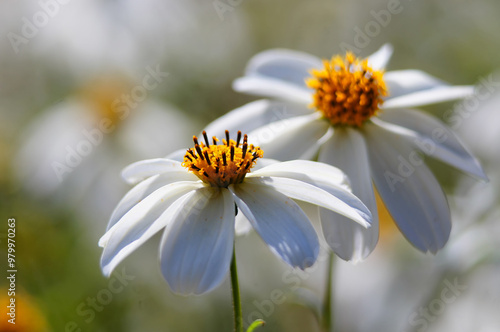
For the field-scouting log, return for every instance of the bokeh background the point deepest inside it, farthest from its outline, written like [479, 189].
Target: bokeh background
[66, 65]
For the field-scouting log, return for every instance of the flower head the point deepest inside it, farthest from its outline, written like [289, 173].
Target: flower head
[362, 120]
[221, 165]
[71, 150]
[347, 90]
[194, 200]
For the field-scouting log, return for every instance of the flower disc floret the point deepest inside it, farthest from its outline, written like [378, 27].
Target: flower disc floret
[221, 165]
[348, 91]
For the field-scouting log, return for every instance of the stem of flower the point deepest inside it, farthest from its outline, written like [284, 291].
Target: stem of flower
[328, 321]
[238, 316]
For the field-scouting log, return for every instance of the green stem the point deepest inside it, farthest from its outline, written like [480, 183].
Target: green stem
[327, 316]
[238, 316]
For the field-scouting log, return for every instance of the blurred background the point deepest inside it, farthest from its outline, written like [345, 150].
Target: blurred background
[65, 66]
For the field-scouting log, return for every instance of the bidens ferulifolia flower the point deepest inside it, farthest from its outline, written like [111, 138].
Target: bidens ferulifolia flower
[196, 201]
[353, 115]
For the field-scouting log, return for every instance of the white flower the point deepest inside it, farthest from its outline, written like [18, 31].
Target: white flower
[359, 119]
[477, 120]
[73, 151]
[195, 201]
[87, 37]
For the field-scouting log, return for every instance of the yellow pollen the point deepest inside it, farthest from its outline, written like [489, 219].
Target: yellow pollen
[221, 164]
[348, 91]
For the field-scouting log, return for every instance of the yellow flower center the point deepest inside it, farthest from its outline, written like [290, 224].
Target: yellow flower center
[348, 91]
[223, 164]
[104, 97]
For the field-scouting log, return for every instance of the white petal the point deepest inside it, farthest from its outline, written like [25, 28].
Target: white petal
[151, 207]
[142, 222]
[411, 193]
[381, 57]
[308, 193]
[144, 189]
[242, 225]
[433, 138]
[293, 138]
[429, 96]
[252, 116]
[403, 82]
[321, 175]
[143, 169]
[268, 87]
[196, 249]
[318, 174]
[347, 151]
[284, 65]
[279, 222]
[45, 142]
[263, 162]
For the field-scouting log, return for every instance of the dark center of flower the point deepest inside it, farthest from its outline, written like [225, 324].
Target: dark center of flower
[223, 164]
[348, 91]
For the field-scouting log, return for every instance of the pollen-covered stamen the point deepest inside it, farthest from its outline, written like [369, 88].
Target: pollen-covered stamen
[238, 139]
[221, 165]
[348, 91]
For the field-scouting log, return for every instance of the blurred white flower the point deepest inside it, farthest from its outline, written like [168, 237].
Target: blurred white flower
[85, 37]
[476, 206]
[72, 151]
[478, 123]
[360, 121]
[195, 202]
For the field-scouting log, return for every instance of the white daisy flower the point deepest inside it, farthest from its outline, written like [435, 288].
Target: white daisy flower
[468, 118]
[196, 200]
[71, 153]
[353, 115]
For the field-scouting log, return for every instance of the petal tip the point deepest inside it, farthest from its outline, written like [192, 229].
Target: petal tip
[102, 242]
[107, 269]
